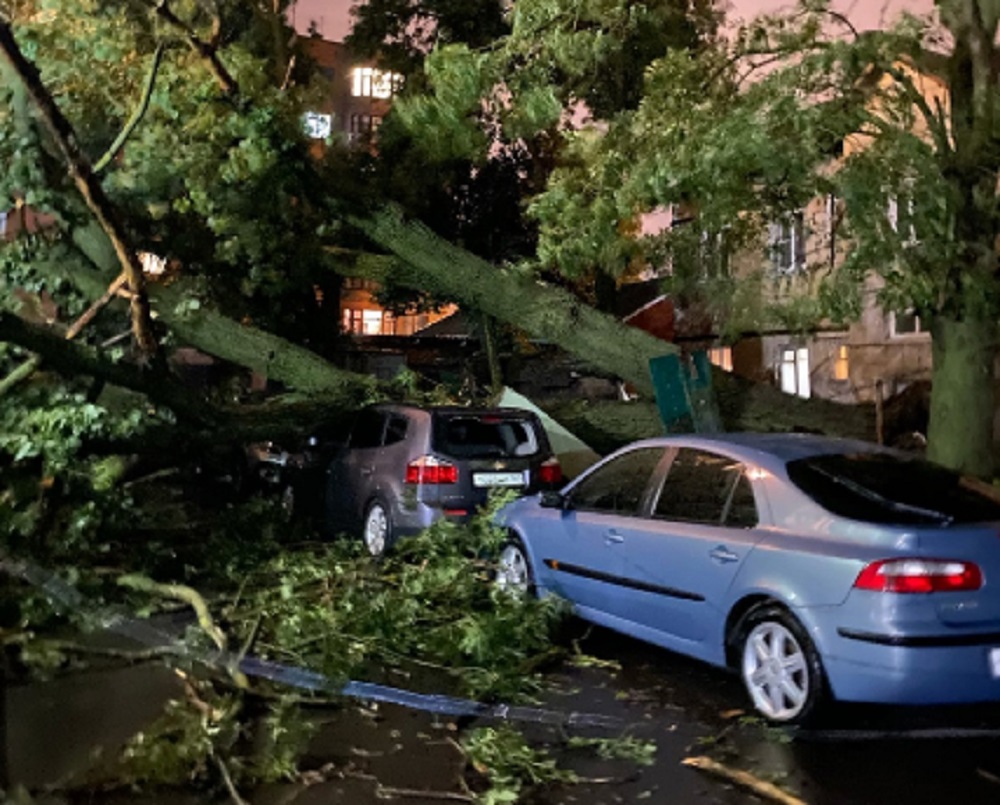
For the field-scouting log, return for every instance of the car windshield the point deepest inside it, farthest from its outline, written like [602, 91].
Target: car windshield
[485, 436]
[890, 489]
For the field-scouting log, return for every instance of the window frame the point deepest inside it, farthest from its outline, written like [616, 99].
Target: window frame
[364, 414]
[841, 363]
[788, 234]
[919, 331]
[653, 482]
[371, 82]
[726, 505]
[803, 381]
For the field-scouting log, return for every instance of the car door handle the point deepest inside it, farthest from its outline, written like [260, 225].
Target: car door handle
[613, 538]
[366, 471]
[723, 555]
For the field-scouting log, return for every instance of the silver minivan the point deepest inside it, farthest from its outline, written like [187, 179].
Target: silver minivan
[405, 466]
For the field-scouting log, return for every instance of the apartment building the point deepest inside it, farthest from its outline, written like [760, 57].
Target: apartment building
[359, 97]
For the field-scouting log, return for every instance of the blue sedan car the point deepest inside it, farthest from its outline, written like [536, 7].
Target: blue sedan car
[817, 568]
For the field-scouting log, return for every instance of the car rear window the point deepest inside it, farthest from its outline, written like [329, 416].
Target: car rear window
[486, 436]
[890, 489]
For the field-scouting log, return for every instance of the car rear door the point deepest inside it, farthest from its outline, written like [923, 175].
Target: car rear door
[679, 563]
[352, 478]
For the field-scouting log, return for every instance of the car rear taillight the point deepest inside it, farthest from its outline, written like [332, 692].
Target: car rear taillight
[550, 472]
[431, 470]
[920, 576]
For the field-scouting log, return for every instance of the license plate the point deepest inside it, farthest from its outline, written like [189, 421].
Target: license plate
[498, 479]
[995, 662]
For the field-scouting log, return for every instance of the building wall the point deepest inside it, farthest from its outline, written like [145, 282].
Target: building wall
[353, 101]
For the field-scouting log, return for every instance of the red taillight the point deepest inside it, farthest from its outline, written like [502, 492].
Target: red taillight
[431, 470]
[920, 576]
[550, 473]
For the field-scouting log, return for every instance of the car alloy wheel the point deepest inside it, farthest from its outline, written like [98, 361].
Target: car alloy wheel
[377, 529]
[513, 574]
[779, 666]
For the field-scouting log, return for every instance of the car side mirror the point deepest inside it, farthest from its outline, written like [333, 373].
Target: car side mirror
[553, 500]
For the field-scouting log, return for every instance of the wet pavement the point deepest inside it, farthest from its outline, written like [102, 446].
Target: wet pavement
[365, 753]
[864, 755]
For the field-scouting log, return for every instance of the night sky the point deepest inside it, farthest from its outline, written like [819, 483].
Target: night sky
[333, 16]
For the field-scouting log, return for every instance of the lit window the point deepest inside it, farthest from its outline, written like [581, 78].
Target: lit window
[316, 125]
[900, 213]
[152, 264]
[367, 82]
[372, 322]
[787, 240]
[721, 357]
[794, 371]
[841, 367]
[363, 322]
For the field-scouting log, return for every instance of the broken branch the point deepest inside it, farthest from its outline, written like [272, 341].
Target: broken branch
[744, 779]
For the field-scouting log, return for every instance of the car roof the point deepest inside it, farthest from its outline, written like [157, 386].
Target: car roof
[770, 449]
[454, 409]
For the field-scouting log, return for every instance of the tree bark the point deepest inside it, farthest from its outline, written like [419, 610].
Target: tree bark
[960, 433]
[73, 358]
[546, 312]
[218, 335]
[437, 265]
[428, 262]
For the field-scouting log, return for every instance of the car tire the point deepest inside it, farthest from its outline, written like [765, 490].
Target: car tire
[779, 665]
[513, 573]
[377, 529]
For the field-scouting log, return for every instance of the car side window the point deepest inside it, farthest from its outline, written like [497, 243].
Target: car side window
[703, 487]
[395, 430]
[368, 429]
[618, 486]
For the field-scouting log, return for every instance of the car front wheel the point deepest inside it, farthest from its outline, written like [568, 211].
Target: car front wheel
[513, 573]
[779, 665]
[377, 533]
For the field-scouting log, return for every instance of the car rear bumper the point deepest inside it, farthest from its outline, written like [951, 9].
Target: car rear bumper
[865, 667]
[410, 520]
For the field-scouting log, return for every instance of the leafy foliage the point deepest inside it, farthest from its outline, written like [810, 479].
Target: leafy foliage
[510, 764]
[431, 602]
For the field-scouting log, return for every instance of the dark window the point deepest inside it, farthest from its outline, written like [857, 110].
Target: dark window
[485, 436]
[618, 486]
[395, 431]
[368, 430]
[706, 488]
[886, 488]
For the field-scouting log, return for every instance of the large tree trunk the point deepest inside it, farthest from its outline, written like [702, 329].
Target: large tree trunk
[217, 335]
[433, 264]
[428, 262]
[960, 434]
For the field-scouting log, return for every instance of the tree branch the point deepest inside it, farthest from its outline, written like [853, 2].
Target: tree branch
[71, 358]
[89, 187]
[936, 127]
[147, 93]
[207, 50]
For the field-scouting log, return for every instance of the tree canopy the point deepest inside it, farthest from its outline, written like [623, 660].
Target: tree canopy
[897, 126]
